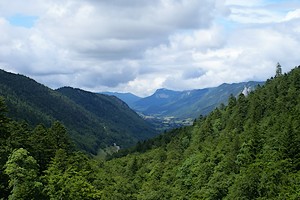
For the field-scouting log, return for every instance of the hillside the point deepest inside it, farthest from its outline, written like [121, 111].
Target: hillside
[190, 103]
[248, 149]
[111, 110]
[108, 121]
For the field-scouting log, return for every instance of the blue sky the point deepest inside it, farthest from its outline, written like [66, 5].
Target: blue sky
[22, 20]
[144, 45]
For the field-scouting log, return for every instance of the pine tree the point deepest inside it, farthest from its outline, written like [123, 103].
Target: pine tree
[278, 70]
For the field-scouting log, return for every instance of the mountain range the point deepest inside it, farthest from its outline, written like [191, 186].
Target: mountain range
[247, 149]
[94, 121]
[185, 104]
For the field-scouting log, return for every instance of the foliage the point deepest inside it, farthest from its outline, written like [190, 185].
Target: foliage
[25, 154]
[67, 177]
[246, 150]
[22, 170]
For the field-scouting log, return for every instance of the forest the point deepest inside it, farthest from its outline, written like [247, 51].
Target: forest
[247, 149]
[93, 121]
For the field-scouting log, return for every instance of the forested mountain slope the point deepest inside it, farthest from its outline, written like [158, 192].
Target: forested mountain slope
[113, 123]
[190, 103]
[112, 111]
[246, 150]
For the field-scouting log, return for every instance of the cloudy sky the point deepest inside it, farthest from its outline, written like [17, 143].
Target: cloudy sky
[139, 46]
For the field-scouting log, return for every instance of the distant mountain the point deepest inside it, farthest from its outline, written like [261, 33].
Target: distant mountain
[190, 103]
[156, 103]
[93, 120]
[128, 98]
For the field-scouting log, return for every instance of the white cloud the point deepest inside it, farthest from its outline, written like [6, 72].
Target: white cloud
[254, 15]
[295, 14]
[140, 45]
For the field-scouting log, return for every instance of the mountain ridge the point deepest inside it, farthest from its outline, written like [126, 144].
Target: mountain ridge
[35, 103]
[183, 104]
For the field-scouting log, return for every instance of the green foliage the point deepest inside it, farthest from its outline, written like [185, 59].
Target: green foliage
[25, 154]
[22, 170]
[3, 111]
[246, 150]
[67, 178]
[4, 134]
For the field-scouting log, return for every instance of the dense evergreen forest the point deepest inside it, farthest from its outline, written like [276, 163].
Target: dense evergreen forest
[248, 149]
[93, 121]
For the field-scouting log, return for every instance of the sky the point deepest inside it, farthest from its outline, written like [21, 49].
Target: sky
[139, 46]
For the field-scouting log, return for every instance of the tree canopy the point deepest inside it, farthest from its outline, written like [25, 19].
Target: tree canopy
[246, 150]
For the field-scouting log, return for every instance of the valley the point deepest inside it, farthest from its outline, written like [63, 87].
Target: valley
[247, 149]
[149, 100]
[167, 109]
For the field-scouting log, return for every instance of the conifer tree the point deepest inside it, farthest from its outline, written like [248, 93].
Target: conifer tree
[278, 70]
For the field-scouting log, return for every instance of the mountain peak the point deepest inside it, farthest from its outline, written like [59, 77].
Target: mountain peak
[162, 90]
[164, 93]
[189, 103]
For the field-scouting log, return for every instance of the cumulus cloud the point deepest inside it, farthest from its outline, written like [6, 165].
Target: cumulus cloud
[140, 45]
[295, 14]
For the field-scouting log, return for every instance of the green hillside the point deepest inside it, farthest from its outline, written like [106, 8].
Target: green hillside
[248, 149]
[109, 121]
[112, 111]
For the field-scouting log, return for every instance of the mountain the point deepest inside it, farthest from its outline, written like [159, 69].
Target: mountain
[156, 103]
[248, 149]
[191, 103]
[94, 121]
[111, 110]
[128, 98]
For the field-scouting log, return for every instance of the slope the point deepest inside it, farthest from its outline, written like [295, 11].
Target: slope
[246, 150]
[33, 102]
[112, 111]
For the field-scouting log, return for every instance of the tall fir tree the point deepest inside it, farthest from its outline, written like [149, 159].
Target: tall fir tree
[278, 70]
